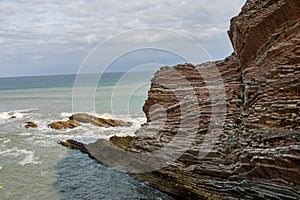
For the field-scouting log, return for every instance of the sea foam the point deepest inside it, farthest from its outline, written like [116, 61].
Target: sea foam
[28, 159]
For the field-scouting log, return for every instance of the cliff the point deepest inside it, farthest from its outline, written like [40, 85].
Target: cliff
[243, 144]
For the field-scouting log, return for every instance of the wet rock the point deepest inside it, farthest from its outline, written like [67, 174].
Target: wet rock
[78, 118]
[97, 121]
[73, 144]
[30, 125]
[64, 124]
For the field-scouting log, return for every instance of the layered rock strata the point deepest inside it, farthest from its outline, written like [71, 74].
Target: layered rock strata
[69, 124]
[249, 151]
[86, 118]
[266, 39]
[98, 121]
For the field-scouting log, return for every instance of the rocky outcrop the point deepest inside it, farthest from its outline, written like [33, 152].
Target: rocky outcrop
[64, 124]
[250, 150]
[257, 154]
[72, 144]
[86, 118]
[97, 121]
[30, 125]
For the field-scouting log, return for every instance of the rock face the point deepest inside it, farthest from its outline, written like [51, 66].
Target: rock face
[97, 121]
[262, 27]
[30, 125]
[250, 151]
[266, 40]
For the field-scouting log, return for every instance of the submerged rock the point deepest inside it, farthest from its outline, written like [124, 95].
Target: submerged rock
[64, 124]
[30, 125]
[97, 121]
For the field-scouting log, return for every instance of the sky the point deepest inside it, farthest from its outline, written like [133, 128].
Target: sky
[56, 36]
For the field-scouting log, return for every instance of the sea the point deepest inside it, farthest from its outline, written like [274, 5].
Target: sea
[32, 163]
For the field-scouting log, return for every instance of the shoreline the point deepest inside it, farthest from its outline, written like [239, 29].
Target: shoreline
[256, 154]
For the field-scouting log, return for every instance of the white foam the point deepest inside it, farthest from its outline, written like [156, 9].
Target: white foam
[4, 115]
[88, 132]
[8, 152]
[6, 141]
[65, 114]
[25, 110]
[29, 158]
[29, 155]
[15, 113]
[105, 115]
[7, 115]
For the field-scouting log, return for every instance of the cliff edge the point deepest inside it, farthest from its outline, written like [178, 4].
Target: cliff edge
[256, 153]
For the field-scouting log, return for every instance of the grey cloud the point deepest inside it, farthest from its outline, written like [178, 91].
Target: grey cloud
[44, 29]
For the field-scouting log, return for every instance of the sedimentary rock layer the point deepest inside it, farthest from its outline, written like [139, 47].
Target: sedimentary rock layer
[86, 118]
[252, 149]
[98, 121]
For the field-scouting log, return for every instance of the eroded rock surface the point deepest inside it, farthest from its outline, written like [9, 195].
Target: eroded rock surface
[69, 124]
[250, 151]
[97, 121]
[78, 118]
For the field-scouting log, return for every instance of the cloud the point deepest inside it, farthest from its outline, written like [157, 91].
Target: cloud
[46, 29]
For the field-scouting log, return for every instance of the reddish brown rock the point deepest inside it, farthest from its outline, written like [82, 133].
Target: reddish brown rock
[97, 121]
[260, 24]
[266, 40]
[256, 155]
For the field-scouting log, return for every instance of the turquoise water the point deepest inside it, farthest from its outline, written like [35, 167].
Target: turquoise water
[59, 81]
[34, 166]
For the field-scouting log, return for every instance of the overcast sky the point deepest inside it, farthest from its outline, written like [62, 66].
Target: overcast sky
[54, 36]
